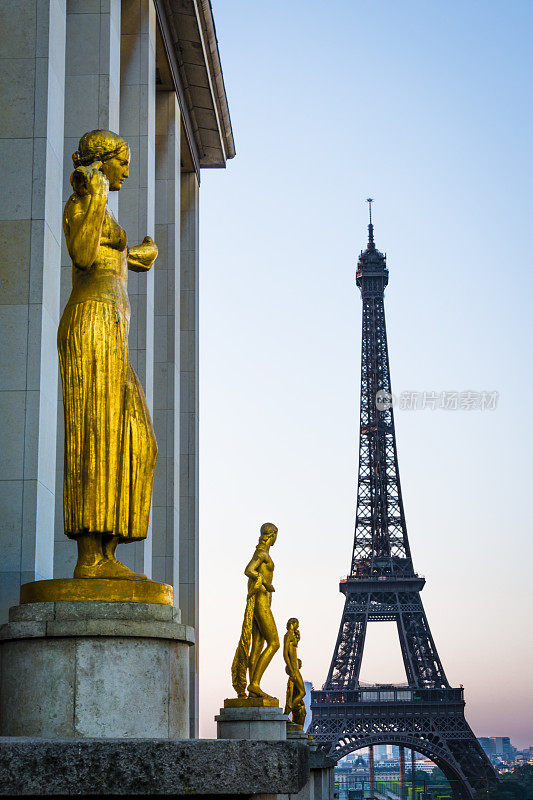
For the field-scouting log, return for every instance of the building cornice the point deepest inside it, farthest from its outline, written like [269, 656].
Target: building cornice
[189, 37]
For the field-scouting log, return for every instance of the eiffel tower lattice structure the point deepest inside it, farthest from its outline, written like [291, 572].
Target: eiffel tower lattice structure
[427, 714]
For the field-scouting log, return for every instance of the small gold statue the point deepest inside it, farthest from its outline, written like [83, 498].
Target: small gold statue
[258, 627]
[295, 686]
[110, 446]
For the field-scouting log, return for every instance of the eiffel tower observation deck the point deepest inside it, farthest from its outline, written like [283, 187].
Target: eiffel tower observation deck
[426, 714]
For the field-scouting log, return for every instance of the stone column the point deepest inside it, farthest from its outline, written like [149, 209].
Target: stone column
[137, 203]
[92, 90]
[165, 503]
[32, 81]
[188, 420]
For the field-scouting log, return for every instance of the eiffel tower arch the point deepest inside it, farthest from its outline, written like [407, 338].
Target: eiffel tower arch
[426, 714]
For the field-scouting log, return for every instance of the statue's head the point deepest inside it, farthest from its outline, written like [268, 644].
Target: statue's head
[110, 151]
[292, 624]
[268, 533]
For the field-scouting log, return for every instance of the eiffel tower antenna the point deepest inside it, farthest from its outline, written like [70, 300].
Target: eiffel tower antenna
[425, 714]
[370, 200]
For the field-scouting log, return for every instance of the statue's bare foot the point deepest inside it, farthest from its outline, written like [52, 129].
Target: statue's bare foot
[254, 690]
[87, 570]
[108, 568]
[118, 570]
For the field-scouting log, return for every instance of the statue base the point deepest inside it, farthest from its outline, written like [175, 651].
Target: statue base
[251, 702]
[259, 719]
[295, 733]
[110, 590]
[95, 670]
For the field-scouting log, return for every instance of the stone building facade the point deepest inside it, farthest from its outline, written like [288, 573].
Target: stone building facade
[150, 70]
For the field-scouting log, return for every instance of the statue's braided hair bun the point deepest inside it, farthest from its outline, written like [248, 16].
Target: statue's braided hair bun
[97, 146]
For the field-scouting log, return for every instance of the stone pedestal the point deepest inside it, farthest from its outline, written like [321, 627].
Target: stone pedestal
[95, 669]
[296, 734]
[320, 784]
[256, 719]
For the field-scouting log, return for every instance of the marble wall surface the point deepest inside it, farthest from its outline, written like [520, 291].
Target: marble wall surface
[68, 66]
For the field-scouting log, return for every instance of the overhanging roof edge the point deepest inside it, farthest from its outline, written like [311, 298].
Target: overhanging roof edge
[192, 49]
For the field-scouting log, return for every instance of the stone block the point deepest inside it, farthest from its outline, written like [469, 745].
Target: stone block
[153, 629]
[179, 695]
[15, 262]
[18, 30]
[83, 32]
[81, 104]
[225, 769]
[29, 517]
[123, 671]
[84, 6]
[31, 436]
[102, 610]
[17, 78]
[9, 590]
[35, 612]
[11, 504]
[266, 724]
[127, 703]
[37, 687]
[12, 414]
[16, 160]
[28, 629]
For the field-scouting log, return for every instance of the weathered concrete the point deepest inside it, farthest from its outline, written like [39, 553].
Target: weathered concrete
[267, 724]
[95, 670]
[299, 736]
[205, 768]
[321, 782]
[94, 610]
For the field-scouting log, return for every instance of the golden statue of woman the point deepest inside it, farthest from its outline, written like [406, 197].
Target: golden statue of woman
[259, 637]
[110, 446]
[294, 703]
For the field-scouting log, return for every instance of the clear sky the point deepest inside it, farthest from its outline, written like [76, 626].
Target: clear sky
[425, 106]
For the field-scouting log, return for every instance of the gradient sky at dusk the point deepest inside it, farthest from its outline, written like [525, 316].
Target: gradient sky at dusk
[427, 108]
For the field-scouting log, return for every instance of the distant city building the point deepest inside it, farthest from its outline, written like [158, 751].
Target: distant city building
[380, 752]
[503, 746]
[488, 745]
[498, 748]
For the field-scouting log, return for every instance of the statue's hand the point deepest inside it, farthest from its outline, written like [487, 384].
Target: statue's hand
[269, 587]
[142, 256]
[90, 181]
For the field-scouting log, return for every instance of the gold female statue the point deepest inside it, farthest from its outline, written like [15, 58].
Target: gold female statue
[259, 627]
[110, 446]
[295, 686]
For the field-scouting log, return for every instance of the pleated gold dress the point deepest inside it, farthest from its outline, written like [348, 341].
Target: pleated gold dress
[110, 445]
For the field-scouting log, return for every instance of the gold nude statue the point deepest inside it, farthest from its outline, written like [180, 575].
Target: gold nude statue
[259, 627]
[110, 446]
[295, 686]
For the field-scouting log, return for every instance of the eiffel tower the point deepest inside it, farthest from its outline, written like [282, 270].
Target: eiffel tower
[427, 714]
